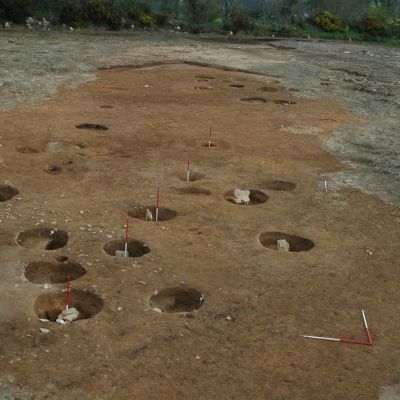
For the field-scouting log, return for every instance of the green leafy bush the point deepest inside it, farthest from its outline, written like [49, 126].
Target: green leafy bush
[146, 20]
[327, 21]
[238, 21]
[139, 10]
[372, 26]
[114, 20]
[96, 11]
[70, 13]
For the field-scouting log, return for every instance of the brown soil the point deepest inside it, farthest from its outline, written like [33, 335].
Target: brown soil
[296, 243]
[42, 238]
[136, 248]
[176, 299]
[256, 197]
[278, 185]
[50, 305]
[245, 341]
[7, 192]
[164, 214]
[41, 272]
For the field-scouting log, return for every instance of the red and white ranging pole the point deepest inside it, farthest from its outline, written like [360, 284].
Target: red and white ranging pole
[361, 342]
[68, 300]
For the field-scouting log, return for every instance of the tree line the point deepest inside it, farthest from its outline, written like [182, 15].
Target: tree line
[364, 18]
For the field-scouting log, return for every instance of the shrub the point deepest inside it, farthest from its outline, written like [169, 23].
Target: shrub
[139, 10]
[238, 21]
[15, 10]
[96, 11]
[199, 12]
[135, 12]
[70, 13]
[327, 21]
[161, 19]
[114, 20]
[146, 20]
[372, 26]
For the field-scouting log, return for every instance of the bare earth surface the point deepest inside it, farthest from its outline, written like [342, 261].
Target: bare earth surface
[244, 341]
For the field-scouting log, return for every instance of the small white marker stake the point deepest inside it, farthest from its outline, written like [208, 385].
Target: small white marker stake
[209, 138]
[126, 238]
[158, 203]
[326, 187]
[322, 338]
[188, 169]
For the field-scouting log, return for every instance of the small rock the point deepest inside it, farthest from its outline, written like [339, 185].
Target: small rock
[241, 196]
[283, 245]
[44, 330]
[69, 315]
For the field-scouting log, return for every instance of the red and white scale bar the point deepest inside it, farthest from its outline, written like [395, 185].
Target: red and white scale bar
[362, 342]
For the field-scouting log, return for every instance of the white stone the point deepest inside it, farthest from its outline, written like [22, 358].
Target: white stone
[283, 245]
[69, 314]
[241, 196]
[44, 330]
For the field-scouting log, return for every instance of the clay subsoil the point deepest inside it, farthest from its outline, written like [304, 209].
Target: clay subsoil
[245, 341]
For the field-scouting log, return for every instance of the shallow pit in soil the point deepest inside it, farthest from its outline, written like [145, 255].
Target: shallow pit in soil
[43, 238]
[256, 197]
[53, 169]
[40, 272]
[236, 86]
[209, 145]
[96, 127]
[7, 192]
[204, 77]
[253, 100]
[278, 185]
[284, 102]
[27, 149]
[50, 305]
[267, 89]
[194, 190]
[148, 213]
[176, 299]
[136, 248]
[203, 88]
[296, 243]
[194, 176]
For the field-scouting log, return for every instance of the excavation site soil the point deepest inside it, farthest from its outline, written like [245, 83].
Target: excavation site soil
[239, 241]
